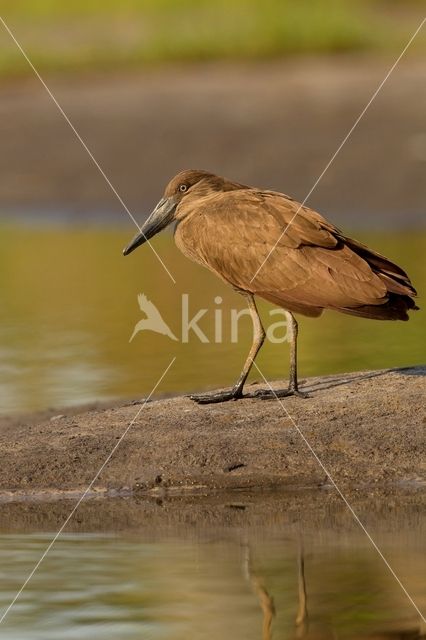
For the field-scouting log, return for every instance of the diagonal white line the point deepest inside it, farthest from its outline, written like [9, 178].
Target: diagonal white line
[84, 145]
[341, 494]
[84, 494]
[341, 145]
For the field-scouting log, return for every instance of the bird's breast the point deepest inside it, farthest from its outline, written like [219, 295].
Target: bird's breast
[187, 240]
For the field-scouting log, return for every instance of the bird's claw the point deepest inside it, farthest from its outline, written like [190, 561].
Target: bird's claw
[236, 394]
[221, 396]
[271, 394]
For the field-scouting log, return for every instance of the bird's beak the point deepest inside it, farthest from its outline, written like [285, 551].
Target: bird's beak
[162, 215]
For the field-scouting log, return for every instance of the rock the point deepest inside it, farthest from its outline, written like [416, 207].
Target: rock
[364, 429]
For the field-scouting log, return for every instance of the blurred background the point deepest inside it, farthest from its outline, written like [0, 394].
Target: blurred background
[262, 92]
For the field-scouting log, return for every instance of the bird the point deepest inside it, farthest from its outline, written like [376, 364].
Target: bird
[153, 320]
[266, 244]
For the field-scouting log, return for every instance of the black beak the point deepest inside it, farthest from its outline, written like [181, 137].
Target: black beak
[162, 216]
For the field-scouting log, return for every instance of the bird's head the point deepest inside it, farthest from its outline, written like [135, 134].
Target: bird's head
[185, 184]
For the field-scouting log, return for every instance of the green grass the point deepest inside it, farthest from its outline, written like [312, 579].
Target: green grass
[110, 34]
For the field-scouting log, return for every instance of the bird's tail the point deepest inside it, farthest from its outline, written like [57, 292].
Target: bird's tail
[396, 308]
[400, 290]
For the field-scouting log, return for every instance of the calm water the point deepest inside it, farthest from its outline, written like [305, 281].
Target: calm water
[69, 306]
[244, 581]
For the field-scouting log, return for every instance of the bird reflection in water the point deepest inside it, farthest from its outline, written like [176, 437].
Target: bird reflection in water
[265, 599]
[302, 629]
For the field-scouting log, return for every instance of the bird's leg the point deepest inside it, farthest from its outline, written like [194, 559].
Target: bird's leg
[258, 338]
[293, 387]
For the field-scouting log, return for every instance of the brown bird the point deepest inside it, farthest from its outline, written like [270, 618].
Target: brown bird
[266, 244]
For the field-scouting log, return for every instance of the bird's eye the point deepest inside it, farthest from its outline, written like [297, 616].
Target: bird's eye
[183, 188]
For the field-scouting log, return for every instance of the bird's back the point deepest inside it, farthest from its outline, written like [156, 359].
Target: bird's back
[266, 243]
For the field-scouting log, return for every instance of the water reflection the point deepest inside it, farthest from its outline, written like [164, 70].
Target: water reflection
[69, 306]
[301, 621]
[120, 587]
[267, 602]
[265, 599]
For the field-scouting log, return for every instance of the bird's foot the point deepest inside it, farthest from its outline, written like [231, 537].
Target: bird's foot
[236, 394]
[271, 394]
[221, 396]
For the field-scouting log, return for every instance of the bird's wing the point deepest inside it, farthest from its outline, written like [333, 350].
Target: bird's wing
[233, 233]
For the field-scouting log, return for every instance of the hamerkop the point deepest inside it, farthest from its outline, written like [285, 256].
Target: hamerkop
[231, 228]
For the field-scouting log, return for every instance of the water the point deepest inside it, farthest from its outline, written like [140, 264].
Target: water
[69, 306]
[235, 569]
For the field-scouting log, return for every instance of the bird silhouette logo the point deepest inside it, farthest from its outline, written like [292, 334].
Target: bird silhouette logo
[153, 320]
